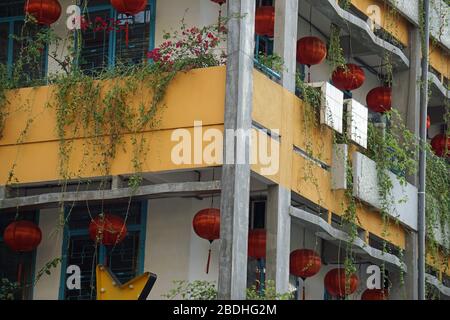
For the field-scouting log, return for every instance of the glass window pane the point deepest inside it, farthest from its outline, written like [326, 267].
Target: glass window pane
[122, 259]
[33, 67]
[4, 35]
[132, 46]
[95, 43]
[12, 8]
[82, 252]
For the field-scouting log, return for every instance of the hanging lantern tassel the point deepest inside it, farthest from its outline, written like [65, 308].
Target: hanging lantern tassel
[220, 16]
[309, 73]
[304, 289]
[261, 276]
[19, 273]
[209, 257]
[258, 278]
[127, 37]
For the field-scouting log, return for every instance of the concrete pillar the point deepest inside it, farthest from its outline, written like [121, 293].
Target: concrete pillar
[411, 259]
[406, 89]
[278, 237]
[236, 168]
[286, 20]
[279, 197]
[413, 112]
[47, 288]
[116, 182]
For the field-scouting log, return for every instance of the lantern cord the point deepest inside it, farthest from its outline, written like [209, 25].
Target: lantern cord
[209, 258]
[220, 17]
[127, 36]
[258, 278]
[310, 19]
[19, 273]
[304, 290]
[212, 196]
[309, 73]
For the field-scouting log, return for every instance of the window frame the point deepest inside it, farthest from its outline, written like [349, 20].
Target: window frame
[67, 234]
[11, 21]
[112, 36]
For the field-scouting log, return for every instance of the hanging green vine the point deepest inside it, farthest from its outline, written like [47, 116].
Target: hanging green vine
[335, 55]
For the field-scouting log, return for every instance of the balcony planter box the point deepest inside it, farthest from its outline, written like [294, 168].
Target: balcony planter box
[365, 187]
[331, 106]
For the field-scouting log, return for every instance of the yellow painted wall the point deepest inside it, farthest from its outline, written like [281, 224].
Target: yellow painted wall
[273, 105]
[440, 60]
[394, 23]
[440, 262]
[198, 95]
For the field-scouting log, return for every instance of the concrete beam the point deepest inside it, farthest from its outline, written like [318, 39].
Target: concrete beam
[286, 20]
[2, 192]
[121, 193]
[278, 237]
[236, 168]
[329, 233]
[432, 280]
[361, 31]
[116, 182]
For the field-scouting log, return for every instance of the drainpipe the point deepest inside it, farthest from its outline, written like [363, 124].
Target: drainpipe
[422, 152]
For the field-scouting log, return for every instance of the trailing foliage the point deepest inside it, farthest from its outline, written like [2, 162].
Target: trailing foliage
[273, 61]
[335, 55]
[8, 289]
[196, 290]
[206, 290]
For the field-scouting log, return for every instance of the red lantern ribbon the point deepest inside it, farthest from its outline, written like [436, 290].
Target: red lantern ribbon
[126, 33]
[209, 259]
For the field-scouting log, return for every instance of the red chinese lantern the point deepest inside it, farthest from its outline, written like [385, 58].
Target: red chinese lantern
[257, 243]
[348, 78]
[107, 229]
[336, 283]
[45, 12]
[257, 239]
[428, 122]
[22, 236]
[441, 145]
[311, 51]
[375, 294]
[265, 21]
[304, 264]
[206, 225]
[129, 7]
[380, 99]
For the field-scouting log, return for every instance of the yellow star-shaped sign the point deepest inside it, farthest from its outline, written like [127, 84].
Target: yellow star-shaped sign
[110, 288]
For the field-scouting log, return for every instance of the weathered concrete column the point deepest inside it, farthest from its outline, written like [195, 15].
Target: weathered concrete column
[236, 167]
[279, 196]
[278, 237]
[406, 89]
[406, 97]
[411, 260]
[286, 20]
